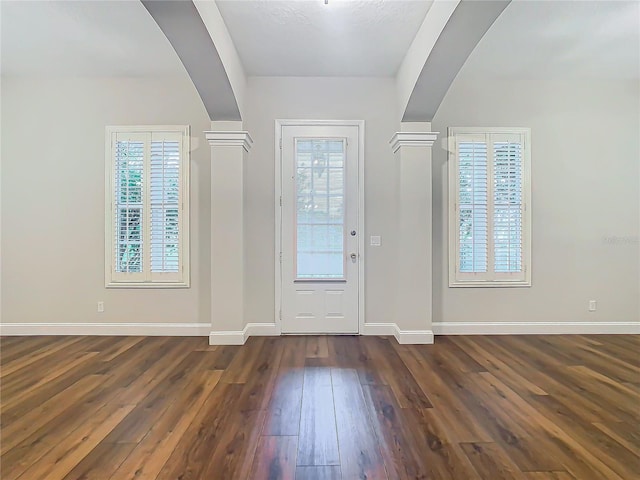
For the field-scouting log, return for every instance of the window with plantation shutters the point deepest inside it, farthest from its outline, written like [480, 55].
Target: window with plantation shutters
[489, 217]
[147, 206]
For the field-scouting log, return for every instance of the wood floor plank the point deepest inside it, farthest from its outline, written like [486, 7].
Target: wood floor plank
[317, 439]
[48, 366]
[150, 455]
[466, 408]
[626, 434]
[74, 361]
[548, 476]
[456, 358]
[318, 473]
[605, 389]
[22, 347]
[100, 463]
[192, 454]
[145, 377]
[578, 457]
[603, 360]
[17, 459]
[605, 452]
[348, 351]
[223, 356]
[511, 431]
[243, 363]
[231, 457]
[260, 384]
[458, 420]
[275, 458]
[161, 397]
[317, 346]
[497, 367]
[120, 346]
[442, 459]
[59, 461]
[283, 412]
[550, 379]
[397, 375]
[17, 431]
[402, 458]
[491, 462]
[359, 449]
[38, 355]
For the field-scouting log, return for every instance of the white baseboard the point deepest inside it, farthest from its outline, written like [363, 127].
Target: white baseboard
[379, 329]
[414, 337]
[535, 328]
[239, 337]
[268, 329]
[261, 330]
[118, 329]
[405, 337]
[229, 337]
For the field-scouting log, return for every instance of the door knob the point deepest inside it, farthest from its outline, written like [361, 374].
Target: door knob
[353, 256]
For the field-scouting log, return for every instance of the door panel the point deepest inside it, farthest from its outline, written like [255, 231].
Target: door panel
[319, 213]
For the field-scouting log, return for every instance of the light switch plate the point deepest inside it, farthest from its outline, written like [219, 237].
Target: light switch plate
[375, 240]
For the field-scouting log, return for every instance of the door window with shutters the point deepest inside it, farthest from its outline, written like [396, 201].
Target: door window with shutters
[489, 200]
[147, 215]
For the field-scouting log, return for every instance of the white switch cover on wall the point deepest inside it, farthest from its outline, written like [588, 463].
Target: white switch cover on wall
[375, 240]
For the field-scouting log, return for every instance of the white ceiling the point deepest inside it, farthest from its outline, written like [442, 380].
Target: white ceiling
[309, 38]
[561, 40]
[84, 38]
[531, 39]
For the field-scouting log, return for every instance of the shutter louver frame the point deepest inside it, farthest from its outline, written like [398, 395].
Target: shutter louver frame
[160, 217]
[489, 166]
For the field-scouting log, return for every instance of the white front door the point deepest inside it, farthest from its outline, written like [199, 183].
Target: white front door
[319, 237]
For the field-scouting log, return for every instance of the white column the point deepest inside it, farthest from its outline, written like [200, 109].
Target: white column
[229, 146]
[412, 149]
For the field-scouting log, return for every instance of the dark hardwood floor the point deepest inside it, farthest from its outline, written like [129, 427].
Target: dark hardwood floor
[509, 407]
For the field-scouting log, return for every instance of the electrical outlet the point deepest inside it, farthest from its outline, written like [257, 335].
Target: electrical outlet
[100, 307]
[593, 305]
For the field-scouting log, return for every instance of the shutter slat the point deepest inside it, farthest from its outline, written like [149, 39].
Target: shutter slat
[472, 201]
[164, 198]
[128, 212]
[507, 212]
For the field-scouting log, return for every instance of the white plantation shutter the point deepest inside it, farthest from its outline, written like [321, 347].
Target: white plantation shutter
[507, 205]
[165, 203]
[489, 221]
[128, 214]
[147, 189]
[473, 207]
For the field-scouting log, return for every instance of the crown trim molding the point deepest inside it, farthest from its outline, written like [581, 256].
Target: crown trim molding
[222, 138]
[412, 139]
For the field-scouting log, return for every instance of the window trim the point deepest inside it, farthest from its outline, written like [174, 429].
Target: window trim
[453, 211]
[111, 277]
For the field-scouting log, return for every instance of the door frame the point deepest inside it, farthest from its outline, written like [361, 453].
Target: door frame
[279, 124]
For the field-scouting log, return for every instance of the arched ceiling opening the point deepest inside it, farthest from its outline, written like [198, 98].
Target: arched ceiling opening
[189, 29]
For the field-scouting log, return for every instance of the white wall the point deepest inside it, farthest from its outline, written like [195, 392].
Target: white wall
[586, 208]
[53, 198]
[368, 99]
[585, 199]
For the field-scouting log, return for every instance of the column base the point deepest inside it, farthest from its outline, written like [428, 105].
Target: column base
[239, 337]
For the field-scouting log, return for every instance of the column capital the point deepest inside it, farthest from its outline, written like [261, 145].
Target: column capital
[223, 138]
[412, 139]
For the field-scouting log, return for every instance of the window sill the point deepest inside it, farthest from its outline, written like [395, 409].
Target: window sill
[489, 284]
[146, 285]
